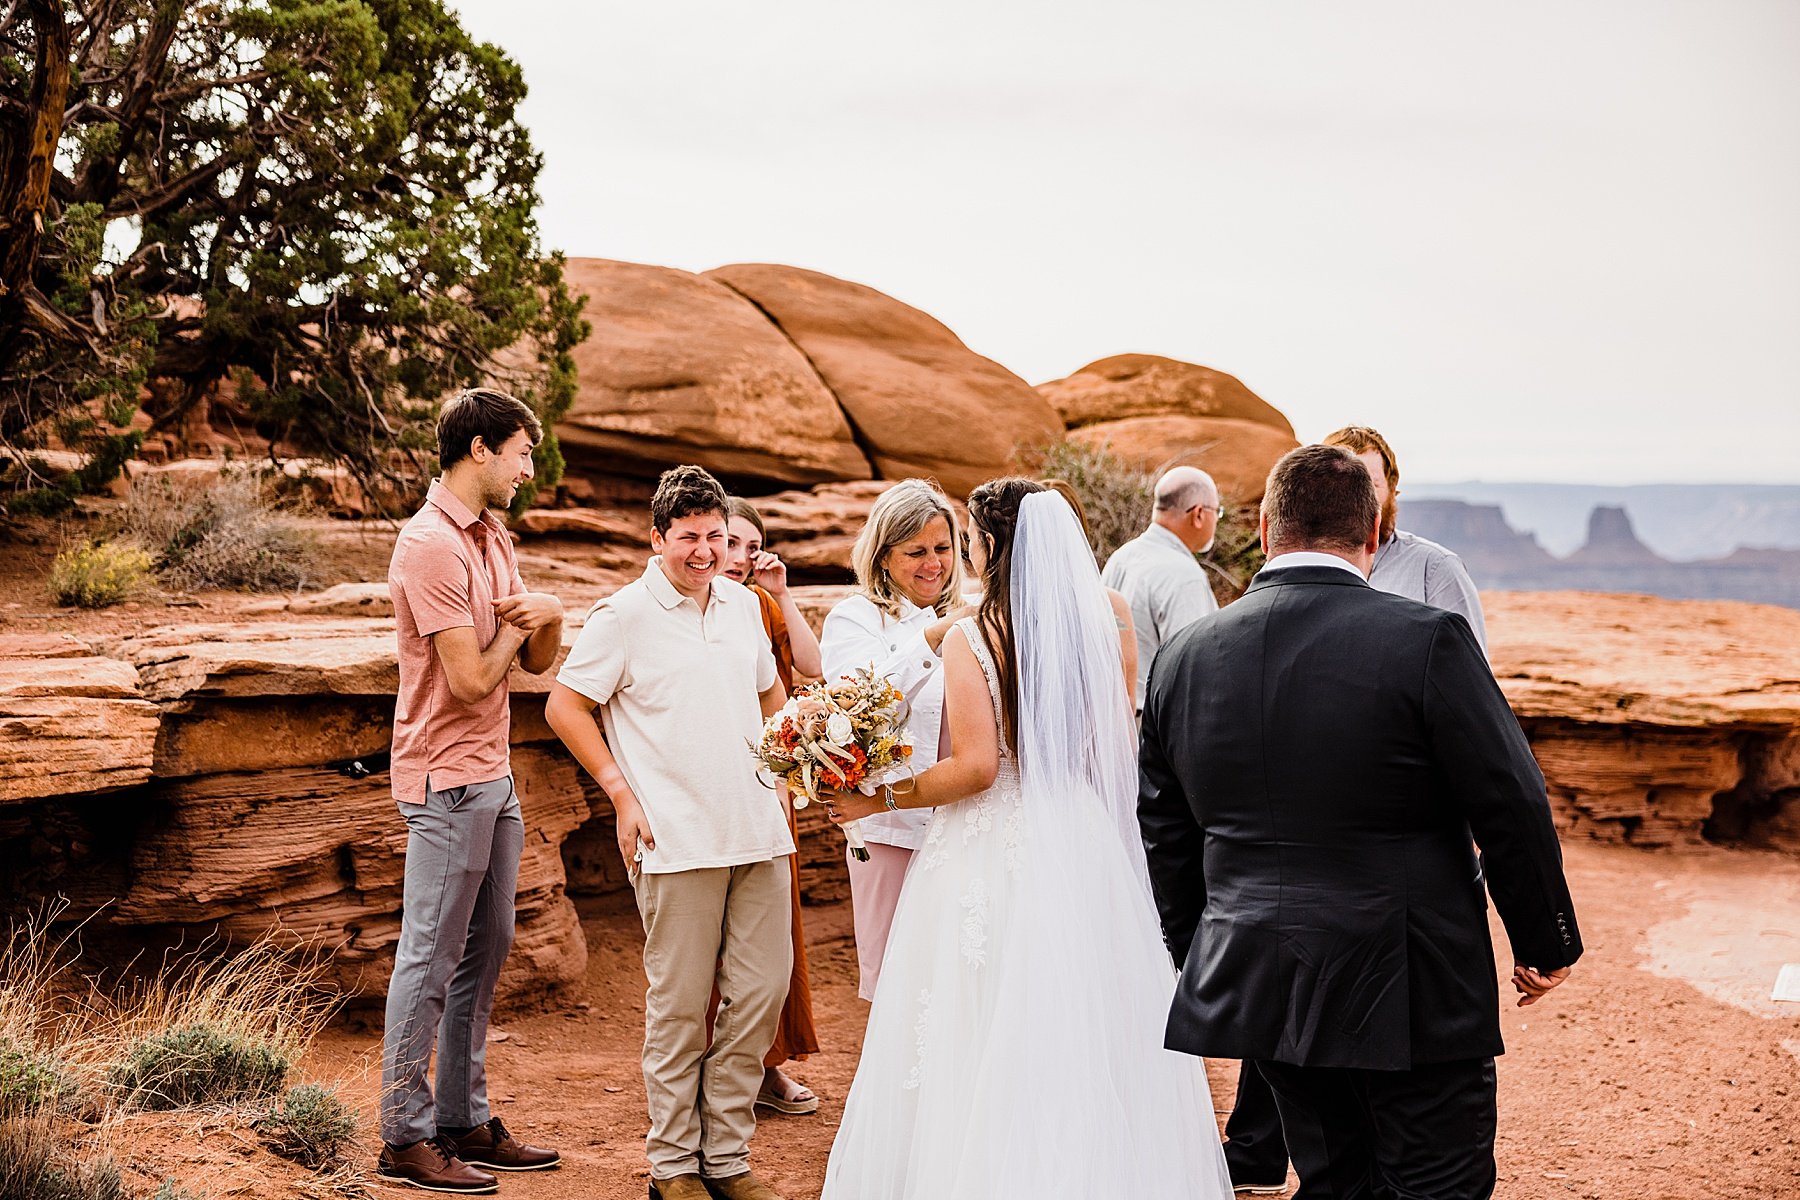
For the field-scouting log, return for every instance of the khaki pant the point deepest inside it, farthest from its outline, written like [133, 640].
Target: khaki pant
[729, 926]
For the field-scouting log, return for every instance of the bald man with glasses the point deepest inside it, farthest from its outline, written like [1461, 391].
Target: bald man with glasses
[1158, 572]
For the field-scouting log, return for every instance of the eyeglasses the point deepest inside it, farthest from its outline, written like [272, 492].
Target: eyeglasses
[1214, 509]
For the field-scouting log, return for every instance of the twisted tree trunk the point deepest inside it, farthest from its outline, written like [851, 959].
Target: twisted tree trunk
[26, 168]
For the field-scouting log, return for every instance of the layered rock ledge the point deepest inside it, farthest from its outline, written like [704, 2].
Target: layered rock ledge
[230, 779]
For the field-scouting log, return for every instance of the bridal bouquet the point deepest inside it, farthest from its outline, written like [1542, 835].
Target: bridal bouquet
[845, 735]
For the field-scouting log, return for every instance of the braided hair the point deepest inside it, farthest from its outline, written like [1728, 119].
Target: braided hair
[994, 508]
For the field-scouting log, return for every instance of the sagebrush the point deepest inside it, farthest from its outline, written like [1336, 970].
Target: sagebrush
[311, 1125]
[225, 532]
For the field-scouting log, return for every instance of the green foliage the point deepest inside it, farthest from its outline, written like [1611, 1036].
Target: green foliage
[1115, 496]
[29, 1080]
[98, 575]
[170, 1190]
[334, 195]
[311, 1125]
[199, 1064]
[226, 532]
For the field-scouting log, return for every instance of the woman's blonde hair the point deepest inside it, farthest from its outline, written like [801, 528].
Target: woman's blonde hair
[900, 514]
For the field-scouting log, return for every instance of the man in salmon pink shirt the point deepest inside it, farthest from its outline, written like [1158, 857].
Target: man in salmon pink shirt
[463, 617]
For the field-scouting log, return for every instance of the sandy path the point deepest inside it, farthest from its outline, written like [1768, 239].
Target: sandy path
[1658, 1073]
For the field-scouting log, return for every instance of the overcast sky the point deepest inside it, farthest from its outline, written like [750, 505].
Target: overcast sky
[1528, 242]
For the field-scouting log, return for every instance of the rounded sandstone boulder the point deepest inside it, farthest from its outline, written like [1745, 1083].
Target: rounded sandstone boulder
[1237, 454]
[1148, 385]
[680, 368]
[922, 403]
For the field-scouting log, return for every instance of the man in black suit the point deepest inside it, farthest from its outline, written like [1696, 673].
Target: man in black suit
[1317, 759]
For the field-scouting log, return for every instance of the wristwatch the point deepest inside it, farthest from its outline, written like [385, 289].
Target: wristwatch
[887, 797]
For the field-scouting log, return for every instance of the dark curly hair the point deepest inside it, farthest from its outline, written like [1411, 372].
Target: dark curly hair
[685, 492]
[994, 508]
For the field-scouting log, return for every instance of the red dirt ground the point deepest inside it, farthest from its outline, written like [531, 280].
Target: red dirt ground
[1661, 1071]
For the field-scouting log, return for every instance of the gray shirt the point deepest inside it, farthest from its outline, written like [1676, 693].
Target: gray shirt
[1166, 587]
[1409, 565]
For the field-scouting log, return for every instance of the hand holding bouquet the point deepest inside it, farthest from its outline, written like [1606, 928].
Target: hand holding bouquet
[841, 736]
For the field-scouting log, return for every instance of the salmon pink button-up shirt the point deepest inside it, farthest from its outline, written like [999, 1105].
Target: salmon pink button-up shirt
[449, 567]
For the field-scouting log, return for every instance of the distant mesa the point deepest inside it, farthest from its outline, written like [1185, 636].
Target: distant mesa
[1612, 542]
[1613, 559]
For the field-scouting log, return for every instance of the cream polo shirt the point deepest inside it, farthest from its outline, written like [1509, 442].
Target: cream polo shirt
[677, 690]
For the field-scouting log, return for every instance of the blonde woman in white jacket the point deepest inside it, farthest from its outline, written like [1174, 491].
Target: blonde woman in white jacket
[908, 563]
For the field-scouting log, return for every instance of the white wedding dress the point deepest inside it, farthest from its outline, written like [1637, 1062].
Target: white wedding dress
[1014, 1049]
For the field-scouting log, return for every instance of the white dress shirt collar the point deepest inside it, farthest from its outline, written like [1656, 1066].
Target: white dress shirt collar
[1309, 558]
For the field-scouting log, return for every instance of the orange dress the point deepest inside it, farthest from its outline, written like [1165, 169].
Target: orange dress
[795, 1036]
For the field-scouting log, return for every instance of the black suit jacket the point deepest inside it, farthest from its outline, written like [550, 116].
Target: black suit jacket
[1316, 760]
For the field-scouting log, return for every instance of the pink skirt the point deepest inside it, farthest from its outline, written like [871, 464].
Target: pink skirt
[874, 894]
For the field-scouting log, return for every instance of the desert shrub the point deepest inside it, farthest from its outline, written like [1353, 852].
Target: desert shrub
[199, 1064]
[311, 1125]
[216, 1029]
[29, 1079]
[98, 574]
[37, 1162]
[1116, 496]
[223, 532]
[170, 1190]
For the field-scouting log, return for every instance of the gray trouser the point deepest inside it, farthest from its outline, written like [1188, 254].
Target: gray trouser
[462, 871]
[733, 927]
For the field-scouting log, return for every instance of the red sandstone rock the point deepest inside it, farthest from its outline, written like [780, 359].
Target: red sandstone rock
[1236, 453]
[920, 401]
[1148, 385]
[70, 725]
[1656, 721]
[680, 369]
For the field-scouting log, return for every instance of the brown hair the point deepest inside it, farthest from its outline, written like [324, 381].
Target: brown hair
[686, 492]
[737, 506]
[1319, 498]
[994, 508]
[901, 514]
[493, 416]
[1360, 439]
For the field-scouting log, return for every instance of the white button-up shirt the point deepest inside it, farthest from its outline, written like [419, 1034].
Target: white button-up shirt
[677, 690]
[858, 634]
[1166, 587]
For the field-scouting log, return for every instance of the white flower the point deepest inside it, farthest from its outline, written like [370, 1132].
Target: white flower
[838, 728]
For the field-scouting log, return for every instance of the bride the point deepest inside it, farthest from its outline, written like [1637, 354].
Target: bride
[1014, 1048]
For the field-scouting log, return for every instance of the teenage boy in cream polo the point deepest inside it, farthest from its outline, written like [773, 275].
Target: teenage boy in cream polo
[677, 663]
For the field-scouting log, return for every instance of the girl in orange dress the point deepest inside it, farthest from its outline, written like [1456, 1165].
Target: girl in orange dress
[796, 655]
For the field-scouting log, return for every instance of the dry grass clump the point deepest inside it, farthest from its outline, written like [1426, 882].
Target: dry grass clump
[207, 1041]
[98, 574]
[36, 1164]
[227, 532]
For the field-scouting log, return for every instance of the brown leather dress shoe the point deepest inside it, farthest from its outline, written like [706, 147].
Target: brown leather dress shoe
[432, 1165]
[492, 1147]
[741, 1187]
[681, 1187]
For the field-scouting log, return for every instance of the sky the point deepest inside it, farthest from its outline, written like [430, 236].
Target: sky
[1544, 242]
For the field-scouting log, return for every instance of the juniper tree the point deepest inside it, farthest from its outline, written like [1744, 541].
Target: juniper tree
[331, 199]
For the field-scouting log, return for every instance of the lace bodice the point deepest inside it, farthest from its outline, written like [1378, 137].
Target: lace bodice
[996, 809]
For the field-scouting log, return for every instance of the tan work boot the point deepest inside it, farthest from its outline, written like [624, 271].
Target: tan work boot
[741, 1187]
[680, 1187]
